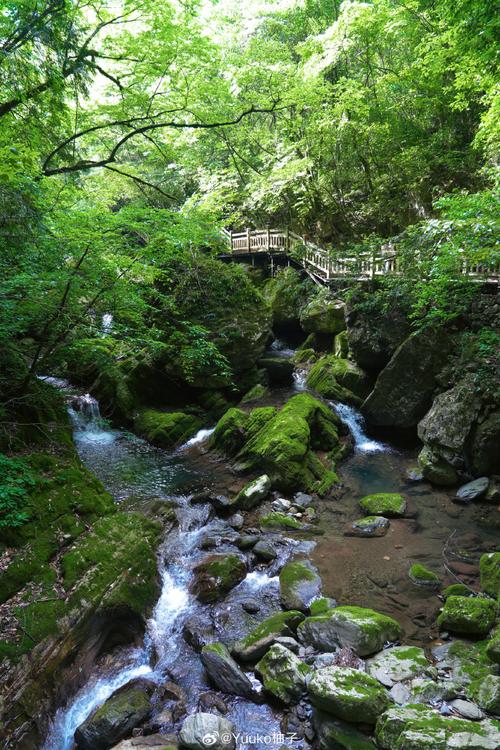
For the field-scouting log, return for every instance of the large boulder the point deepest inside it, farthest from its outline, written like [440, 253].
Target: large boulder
[224, 672]
[374, 334]
[166, 429]
[116, 718]
[404, 389]
[286, 294]
[339, 379]
[397, 664]
[418, 727]
[349, 694]
[436, 469]
[489, 569]
[216, 575]
[333, 734]
[283, 674]
[202, 730]
[254, 645]
[283, 443]
[279, 369]
[468, 615]
[362, 629]
[300, 584]
[484, 454]
[323, 315]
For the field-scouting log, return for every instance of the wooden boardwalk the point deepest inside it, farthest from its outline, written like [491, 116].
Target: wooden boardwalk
[323, 266]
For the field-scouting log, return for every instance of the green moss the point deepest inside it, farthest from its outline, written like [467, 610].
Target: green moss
[320, 606]
[489, 568]
[302, 356]
[216, 575]
[341, 345]
[277, 624]
[166, 429]
[493, 647]
[421, 575]
[349, 694]
[255, 393]
[340, 379]
[229, 434]
[472, 615]
[276, 520]
[457, 589]
[388, 504]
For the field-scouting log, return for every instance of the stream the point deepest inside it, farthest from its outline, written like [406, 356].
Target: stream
[369, 572]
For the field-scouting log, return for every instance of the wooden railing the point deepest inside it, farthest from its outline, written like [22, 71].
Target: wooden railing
[324, 266]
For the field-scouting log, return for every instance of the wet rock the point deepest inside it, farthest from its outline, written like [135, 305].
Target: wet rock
[247, 541]
[216, 539]
[414, 475]
[197, 631]
[290, 643]
[421, 728]
[493, 647]
[368, 526]
[400, 693]
[436, 469]
[302, 499]
[339, 379]
[422, 576]
[117, 717]
[348, 694]
[467, 709]
[253, 493]
[281, 504]
[323, 315]
[300, 584]
[335, 735]
[279, 369]
[425, 690]
[282, 674]
[457, 589]
[397, 664]
[265, 551]
[202, 730]
[251, 606]
[469, 615]
[236, 521]
[489, 569]
[472, 490]
[212, 702]
[224, 672]
[387, 504]
[254, 394]
[166, 429]
[404, 389]
[362, 629]
[216, 575]
[259, 640]
[486, 693]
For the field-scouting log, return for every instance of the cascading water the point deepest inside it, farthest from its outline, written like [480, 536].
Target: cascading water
[88, 424]
[200, 437]
[280, 349]
[299, 379]
[354, 420]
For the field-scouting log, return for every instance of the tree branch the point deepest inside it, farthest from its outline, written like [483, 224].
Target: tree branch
[141, 181]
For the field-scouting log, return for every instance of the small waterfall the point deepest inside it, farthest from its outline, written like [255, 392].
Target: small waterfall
[257, 580]
[87, 421]
[200, 437]
[106, 323]
[299, 379]
[280, 349]
[354, 420]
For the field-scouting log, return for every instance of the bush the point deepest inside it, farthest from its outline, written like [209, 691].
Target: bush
[15, 482]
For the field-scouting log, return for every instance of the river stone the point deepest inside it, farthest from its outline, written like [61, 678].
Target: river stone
[368, 526]
[348, 694]
[487, 694]
[335, 735]
[436, 469]
[202, 730]
[400, 693]
[216, 575]
[387, 504]
[323, 315]
[489, 571]
[467, 709]
[300, 584]
[224, 672]
[253, 646]
[117, 717]
[472, 490]
[433, 691]
[468, 615]
[422, 576]
[236, 521]
[265, 551]
[362, 629]
[282, 674]
[281, 504]
[420, 728]
[253, 493]
[247, 541]
[198, 630]
[396, 664]
[302, 499]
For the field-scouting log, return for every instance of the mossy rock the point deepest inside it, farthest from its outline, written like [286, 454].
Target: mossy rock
[458, 589]
[276, 520]
[216, 575]
[341, 345]
[320, 606]
[420, 728]
[422, 576]
[254, 394]
[166, 429]
[300, 584]
[333, 734]
[323, 315]
[489, 569]
[397, 664]
[435, 469]
[387, 504]
[224, 672]
[304, 356]
[468, 615]
[360, 628]
[369, 526]
[348, 694]
[486, 694]
[283, 674]
[286, 293]
[254, 645]
[493, 647]
[339, 379]
[470, 663]
[253, 493]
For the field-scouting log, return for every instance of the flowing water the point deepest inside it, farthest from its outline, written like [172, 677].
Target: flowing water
[355, 422]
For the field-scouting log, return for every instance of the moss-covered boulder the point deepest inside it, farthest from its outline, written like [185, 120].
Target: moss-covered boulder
[229, 434]
[422, 576]
[279, 369]
[470, 664]
[339, 379]
[436, 469]
[397, 664]
[216, 575]
[388, 504]
[254, 394]
[116, 718]
[489, 569]
[458, 589]
[403, 391]
[341, 345]
[487, 694]
[258, 641]
[333, 734]
[283, 674]
[287, 293]
[323, 315]
[224, 672]
[369, 526]
[483, 450]
[493, 646]
[348, 694]
[417, 727]
[275, 520]
[468, 615]
[300, 584]
[253, 493]
[362, 629]
[199, 727]
[373, 330]
[166, 429]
